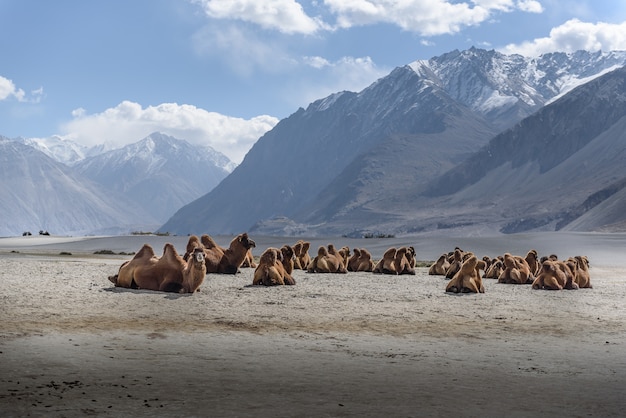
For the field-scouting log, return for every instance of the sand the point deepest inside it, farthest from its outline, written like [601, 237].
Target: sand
[359, 344]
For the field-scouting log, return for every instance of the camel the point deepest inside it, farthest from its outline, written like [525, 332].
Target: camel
[226, 261]
[554, 275]
[495, 269]
[439, 267]
[582, 276]
[516, 271]
[301, 251]
[532, 258]
[288, 258]
[455, 264]
[396, 261]
[327, 260]
[270, 271]
[361, 260]
[467, 279]
[411, 256]
[402, 263]
[386, 264]
[168, 273]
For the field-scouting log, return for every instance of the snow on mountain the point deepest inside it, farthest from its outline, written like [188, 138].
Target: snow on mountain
[496, 84]
[159, 173]
[355, 162]
[40, 193]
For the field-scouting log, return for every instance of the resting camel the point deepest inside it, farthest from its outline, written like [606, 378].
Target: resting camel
[411, 256]
[554, 275]
[344, 253]
[168, 273]
[327, 260]
[270, 271]
[532, 258]
[301, 250]
[402, 261]
[395, 261]
[439, 267]
[361, 260]
[288, 258]
[495, 269]
[516, 271]
[582, 276]
[455, 264]
[386, 264]
[229, 260]
[467, 279]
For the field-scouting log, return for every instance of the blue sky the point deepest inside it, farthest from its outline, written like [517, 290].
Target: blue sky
[223, 72]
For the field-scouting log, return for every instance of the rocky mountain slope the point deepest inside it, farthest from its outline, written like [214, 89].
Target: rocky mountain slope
[370, 162]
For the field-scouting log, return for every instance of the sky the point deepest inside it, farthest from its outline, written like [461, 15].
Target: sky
[224, 72]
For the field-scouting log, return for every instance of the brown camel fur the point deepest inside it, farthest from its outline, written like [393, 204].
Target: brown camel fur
[213, 253]
[554, 275]
[582, 276]
[361, 260]
[270, 271]
[168, 273]
[288, 258]
[192, 244]
[516, 271]
[532, 258]
[402, 263]
[411, 257]
[467, 279]
[455, 264]
[327, 261]
[301, 250]
[439, 267]
[248, 262]
[495, 269]
[226, 261]
[386, 264]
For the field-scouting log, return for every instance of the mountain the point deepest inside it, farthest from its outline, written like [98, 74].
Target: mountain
[354, 163]
[62, 150]
[561, 168]
[158, 173]
[42, 194]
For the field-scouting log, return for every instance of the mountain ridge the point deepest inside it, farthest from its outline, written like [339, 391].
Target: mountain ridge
[353, 163]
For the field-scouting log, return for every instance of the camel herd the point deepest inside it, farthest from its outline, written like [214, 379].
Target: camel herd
[185, 274]
[548, 272]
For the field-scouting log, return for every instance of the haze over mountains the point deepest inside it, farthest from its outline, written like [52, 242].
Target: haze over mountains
[63, 188]
[468, 142]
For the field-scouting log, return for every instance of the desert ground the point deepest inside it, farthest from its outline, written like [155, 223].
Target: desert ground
[356, 344]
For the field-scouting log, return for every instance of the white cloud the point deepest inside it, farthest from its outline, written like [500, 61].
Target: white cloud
[316, 62]
[8, 89]
[425, 17]
[129, 122]
[530, 6]
[286, 16]
[572, 36]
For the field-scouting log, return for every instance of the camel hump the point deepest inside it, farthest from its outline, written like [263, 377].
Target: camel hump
[170, 255]
[145, 252]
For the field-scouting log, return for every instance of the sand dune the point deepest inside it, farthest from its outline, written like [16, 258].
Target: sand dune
[332, 345]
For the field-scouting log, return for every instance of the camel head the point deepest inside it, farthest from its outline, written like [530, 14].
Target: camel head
[198, 255]
[246, 241]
